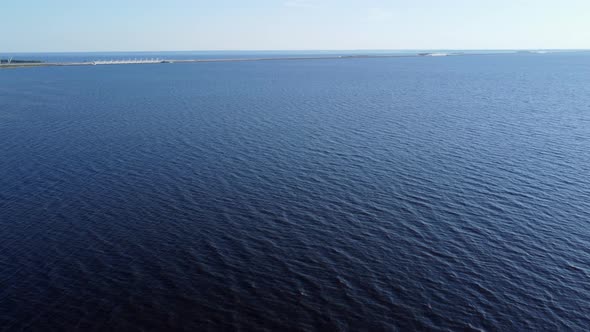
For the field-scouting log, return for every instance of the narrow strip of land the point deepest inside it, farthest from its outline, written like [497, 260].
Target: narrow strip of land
[172, 61]
[123, 62]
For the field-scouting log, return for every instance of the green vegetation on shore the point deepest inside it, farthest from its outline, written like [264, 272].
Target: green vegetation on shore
[16, 62]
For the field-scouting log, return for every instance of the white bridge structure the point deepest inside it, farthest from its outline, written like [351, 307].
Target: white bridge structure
[128, 62]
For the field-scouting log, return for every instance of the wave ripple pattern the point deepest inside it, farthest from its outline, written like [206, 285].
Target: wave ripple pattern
[440, 194]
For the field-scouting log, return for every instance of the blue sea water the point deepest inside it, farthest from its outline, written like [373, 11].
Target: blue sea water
[447, 193]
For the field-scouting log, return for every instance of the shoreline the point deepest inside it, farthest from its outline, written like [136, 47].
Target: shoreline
[298, 58]
[287, 58]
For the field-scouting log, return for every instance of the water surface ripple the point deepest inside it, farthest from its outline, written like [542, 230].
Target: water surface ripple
[368, 194]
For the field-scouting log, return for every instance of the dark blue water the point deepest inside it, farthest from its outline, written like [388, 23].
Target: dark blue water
[363, 194]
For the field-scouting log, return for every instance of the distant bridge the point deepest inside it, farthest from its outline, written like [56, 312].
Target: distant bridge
[128, 62]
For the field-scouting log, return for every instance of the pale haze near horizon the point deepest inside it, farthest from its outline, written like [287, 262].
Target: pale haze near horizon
[135, 25]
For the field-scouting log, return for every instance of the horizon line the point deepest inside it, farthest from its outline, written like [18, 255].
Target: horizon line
[302, 50]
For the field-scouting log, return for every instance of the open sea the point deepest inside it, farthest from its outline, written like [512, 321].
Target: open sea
[391, 194]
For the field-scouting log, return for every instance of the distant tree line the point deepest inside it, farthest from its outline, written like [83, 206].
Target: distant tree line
[6, 61]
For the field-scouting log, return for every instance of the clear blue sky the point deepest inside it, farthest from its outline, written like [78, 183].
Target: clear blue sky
[148, 25]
